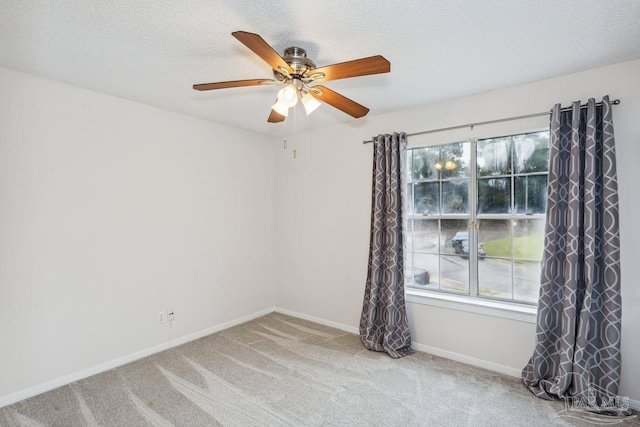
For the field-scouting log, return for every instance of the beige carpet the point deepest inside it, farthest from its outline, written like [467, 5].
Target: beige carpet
[282, 371]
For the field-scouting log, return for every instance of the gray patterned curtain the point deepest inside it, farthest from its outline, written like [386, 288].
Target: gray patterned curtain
[578, 325]
[383, 324]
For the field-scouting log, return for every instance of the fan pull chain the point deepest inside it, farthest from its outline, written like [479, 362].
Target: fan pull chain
[285, 135]
[295, 140]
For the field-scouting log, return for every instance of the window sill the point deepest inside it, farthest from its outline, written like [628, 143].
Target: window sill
[505, 310]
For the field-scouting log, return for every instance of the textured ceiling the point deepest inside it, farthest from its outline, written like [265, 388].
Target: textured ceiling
[154, 51]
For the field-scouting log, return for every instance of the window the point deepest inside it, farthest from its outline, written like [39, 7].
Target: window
[475, 221]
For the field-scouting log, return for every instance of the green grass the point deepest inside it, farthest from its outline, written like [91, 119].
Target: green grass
[525, 247]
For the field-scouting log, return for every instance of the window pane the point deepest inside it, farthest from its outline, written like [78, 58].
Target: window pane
[527, 281]
[495, 267]
[425, 235]
[409, 199]
[454, 273]
[528, 238]
[494, 278]
[494, 157]
[494, 196]
[424, 163]
[455, 197]
[453, 233]
[409, 241]
[424, 269]
[530, 194]
[455, 160]
[426, 198]
[531, 152]
[511, 185]
[494, 236]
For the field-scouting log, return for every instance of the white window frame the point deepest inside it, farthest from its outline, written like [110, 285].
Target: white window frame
[473, 302]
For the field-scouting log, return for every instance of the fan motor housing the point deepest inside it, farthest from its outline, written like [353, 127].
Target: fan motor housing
[297, 59]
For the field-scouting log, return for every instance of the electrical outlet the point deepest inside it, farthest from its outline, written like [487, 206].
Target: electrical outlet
[161, 317]
[171, 315]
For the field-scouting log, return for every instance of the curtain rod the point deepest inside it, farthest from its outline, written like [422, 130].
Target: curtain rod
[488, 122]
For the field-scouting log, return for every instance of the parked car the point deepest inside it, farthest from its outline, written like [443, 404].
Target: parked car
[418, 276]
[460, 243]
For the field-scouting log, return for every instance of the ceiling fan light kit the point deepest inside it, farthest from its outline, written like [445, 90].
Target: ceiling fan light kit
[310, 103]
[281, 109]
[296, 72]
[288, 96]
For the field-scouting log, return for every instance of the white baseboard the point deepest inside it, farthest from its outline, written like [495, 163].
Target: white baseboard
[76, 376]
[203, 333]
[33, 391]
[513, 372]
[495, 367]
[318, 320]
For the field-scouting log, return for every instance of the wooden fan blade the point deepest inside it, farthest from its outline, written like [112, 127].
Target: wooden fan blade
[275, 117]
[262, 49]
[359, 67]
[340, 102]
[235, 83]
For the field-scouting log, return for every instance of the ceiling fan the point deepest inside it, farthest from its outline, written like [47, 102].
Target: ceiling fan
[297, 72]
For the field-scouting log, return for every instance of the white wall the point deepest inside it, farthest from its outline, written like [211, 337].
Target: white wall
[111, 211]
[323, 202]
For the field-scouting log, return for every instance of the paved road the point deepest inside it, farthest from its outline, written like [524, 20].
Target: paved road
[494, 276]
